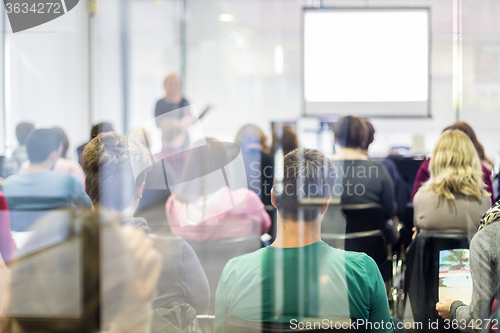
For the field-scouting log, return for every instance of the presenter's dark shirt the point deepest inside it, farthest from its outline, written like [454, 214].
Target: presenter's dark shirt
[174, 110]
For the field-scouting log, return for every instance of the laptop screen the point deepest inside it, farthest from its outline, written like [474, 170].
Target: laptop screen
[455, 280]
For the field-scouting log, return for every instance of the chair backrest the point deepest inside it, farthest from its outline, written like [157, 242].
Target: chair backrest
[423, 272]
[22, 219]
[214, 255]
[407, 167]
[363, 217]
[236, 325]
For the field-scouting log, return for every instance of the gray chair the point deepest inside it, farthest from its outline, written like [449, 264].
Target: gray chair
[214, 255]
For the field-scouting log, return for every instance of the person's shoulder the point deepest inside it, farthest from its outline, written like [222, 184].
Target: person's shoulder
[13, 179]
[138, 222]
[67, 177]
[350, 257]
[360, 264]
[356, 258]
[425, 163]
[246, 194]
[176, 242]
[487, 235]
[247, 261]
[245, 199]
[424, 194]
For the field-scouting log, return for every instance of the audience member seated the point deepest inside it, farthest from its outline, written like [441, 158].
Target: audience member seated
[284, 138]
[423, 173]
[363, 181]
[485, 271]
[7, 245]
[299, 276]
[40, 189]
[109, 161]
[259, 164]
[12, 164]
[94, 131]
[454, 198]
[365, 144]
[63, 165]
[202, 208]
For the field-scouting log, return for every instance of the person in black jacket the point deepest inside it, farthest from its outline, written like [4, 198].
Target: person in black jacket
[363, 181]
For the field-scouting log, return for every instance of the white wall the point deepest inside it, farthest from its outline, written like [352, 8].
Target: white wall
[232, 65]
[49, 76]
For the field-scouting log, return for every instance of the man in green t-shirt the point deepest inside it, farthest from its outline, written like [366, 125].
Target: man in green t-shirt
[300, 277]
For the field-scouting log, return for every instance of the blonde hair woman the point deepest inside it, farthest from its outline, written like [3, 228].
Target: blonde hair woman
[454, 199]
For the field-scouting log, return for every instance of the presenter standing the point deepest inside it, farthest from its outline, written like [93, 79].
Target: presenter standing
[174, 105]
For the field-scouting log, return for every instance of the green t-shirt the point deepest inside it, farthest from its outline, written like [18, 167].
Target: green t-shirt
[315, 281]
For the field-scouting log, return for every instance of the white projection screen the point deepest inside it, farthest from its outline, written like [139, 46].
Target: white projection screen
[371, 62]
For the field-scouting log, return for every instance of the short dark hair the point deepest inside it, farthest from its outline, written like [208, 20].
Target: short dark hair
[349, 132]
[109, 172]
[65, 141]
[369, 134]
[100, 128]
[309, 172]
[23, 131]
[41, 143]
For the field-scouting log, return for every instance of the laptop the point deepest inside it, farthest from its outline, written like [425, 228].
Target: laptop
[455, 280]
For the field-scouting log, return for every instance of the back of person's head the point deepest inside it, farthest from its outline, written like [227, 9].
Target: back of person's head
[41, 143]
[23, 130]
[455, 167]
[369, 134]
[464, 127]
[171, 77]
[251, 136]
[349, 132]
[308, 174]
[109, 161]
[65, 141]
[201, 161]
[286, 137]
[100, 128]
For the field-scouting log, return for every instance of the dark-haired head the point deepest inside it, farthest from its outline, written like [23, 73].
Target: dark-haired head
[349, 132]
[65, 141]
[23, 130]
[308, 174]
[42, 143]
[100, 128]
[369, 134]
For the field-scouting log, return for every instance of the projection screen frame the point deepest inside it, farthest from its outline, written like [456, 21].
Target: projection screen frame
[389, 8]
